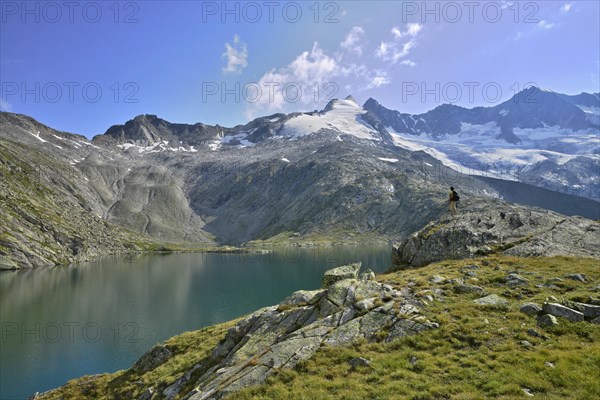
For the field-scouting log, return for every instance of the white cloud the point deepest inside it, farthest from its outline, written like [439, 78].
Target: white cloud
[382, 50]
[566, 7]
[313, 73]
[315, 76]
[312, 66]
[412, 30]
[353, 42]
[236, 55]
[5, 105]
[543, 24]
[377, 81]
[403, 42]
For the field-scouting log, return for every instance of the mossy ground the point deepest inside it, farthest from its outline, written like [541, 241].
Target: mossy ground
[476, 353]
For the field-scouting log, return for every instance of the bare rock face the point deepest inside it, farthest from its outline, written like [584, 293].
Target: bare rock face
[507, 229]
[347, 309]
[152, 359]
[341, 273]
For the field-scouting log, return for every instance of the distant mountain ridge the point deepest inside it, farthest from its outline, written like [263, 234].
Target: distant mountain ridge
[148, 130]
[530, 108]
[339, 175]
[539, 137]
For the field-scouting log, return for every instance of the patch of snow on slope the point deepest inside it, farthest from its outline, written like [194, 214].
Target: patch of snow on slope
[392, 160]
[589, 110]
[157, 147]
[126, 146]
[241, 137]
[592, 113]
[37, 136]
[345, 117]
[89, 144]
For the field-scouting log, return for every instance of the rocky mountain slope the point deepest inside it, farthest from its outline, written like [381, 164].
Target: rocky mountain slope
[47, 215]
[539, 137]
[336, 175]
[506, 229]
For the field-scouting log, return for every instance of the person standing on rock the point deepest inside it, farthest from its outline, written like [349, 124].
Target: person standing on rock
[453, 198]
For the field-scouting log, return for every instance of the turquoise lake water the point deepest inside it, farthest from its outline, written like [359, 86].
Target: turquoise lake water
[64, 322]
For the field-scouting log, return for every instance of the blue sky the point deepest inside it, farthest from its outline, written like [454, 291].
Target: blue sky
[86, 66]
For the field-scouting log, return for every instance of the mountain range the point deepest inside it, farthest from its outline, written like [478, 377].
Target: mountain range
[344, 174]
[539, 137]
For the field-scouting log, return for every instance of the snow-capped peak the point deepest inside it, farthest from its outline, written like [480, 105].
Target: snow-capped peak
[348, 102]
[341, 116]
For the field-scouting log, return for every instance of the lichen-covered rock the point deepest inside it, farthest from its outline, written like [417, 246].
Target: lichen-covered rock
[514, 279]
[577, 277]
[368, 275]
[509, 229]
[349, 271]
[359, 362]
[558, 310]
[147, 395]
[175, 388]
[547, 320]
[152, 359]
[466, 288]
[302, 297]
[491, 300]
[530, 309]
[590, 311]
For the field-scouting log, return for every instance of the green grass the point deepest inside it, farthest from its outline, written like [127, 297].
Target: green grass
[475, 354]
[331, 237]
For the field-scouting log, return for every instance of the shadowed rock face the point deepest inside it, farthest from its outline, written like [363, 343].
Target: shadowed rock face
[348, 308]
[508, 229]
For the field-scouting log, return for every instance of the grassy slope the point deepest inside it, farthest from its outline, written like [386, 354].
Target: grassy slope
[475, 354]
[190, 348]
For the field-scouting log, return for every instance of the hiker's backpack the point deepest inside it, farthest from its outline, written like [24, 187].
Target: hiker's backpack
[455, 196]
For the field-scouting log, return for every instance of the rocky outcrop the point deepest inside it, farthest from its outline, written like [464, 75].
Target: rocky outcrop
[507, 229]
[348, 308]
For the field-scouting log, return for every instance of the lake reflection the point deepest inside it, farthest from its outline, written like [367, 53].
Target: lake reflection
[65, 322]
